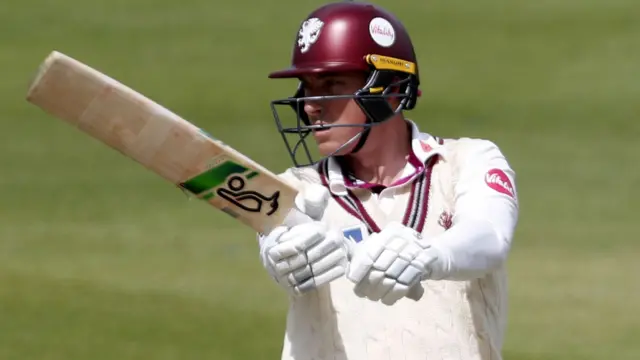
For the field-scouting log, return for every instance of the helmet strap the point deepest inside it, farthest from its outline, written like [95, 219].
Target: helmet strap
[363, 138]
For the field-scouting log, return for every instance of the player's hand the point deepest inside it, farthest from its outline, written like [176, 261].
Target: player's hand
[303, 254]
[390, 265]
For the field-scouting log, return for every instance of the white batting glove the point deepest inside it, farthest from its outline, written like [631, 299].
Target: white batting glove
[303, 254]
[390, 265]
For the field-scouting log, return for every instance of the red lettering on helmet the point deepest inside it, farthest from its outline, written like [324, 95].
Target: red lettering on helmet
[377, 29]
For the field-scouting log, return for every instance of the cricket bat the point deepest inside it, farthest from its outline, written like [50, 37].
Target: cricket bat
[164, 143]
[161, 141]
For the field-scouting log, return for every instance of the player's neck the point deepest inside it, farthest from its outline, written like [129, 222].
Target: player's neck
[383, 158]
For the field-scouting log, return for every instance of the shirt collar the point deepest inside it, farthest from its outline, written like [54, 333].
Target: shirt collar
[423, 147]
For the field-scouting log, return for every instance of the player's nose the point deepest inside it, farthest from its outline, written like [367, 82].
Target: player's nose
[313, 109]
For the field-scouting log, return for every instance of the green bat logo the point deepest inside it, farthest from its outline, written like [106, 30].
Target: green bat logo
[209, 184]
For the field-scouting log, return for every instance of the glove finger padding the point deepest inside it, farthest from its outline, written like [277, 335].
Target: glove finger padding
[397, 292]
[336, 258]
[267, 242]
[306, 256]
[327, 269]
[298, 239]
[291, 264]
[333, 240]
[362, 287]
[321, 261]
[388, 265]
[378, 284]
[314, 282]
[364, 256]
[325, 261]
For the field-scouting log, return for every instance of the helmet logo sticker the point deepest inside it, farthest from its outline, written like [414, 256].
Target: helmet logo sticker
[382, 32]
[309, 33]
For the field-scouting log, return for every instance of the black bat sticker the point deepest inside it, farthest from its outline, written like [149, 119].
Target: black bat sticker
[247, 200]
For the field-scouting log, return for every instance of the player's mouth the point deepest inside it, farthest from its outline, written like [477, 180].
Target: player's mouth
[320, 126]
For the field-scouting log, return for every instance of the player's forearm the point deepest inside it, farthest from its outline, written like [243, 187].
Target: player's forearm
[470, 249]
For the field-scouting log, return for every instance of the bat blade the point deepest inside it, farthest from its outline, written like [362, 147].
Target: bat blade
[161, 141]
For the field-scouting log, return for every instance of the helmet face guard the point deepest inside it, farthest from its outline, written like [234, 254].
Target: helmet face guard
[387, 78]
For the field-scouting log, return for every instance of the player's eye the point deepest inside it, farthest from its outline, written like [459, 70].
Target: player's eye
[335, 86]
[330, 86]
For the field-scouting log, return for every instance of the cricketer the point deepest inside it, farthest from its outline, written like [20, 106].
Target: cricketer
[386, 207]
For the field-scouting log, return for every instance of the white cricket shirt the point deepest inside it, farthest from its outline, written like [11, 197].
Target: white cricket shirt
[461, 194]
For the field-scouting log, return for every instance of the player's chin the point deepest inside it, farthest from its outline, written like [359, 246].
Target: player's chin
[326, 148]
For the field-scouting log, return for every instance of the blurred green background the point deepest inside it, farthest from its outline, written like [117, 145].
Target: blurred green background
[101, 259]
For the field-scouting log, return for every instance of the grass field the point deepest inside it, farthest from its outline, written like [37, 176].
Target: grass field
[100, 259]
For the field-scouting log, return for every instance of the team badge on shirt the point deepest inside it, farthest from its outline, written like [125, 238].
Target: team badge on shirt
[445, 220]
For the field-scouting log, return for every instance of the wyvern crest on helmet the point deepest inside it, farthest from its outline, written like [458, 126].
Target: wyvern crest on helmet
[309, 33]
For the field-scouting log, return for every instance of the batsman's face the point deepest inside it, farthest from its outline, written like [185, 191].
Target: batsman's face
[334, 111]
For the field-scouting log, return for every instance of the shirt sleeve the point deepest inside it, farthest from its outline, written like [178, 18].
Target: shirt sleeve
[485, 216]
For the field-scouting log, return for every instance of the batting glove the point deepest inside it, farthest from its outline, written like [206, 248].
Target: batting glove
[303, 253]
[390, 265]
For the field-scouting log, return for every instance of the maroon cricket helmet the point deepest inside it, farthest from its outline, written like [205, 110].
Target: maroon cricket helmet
[339, 36]
[352, 36]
